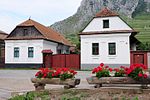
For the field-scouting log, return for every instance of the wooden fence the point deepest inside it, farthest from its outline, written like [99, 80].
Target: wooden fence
[66, 60]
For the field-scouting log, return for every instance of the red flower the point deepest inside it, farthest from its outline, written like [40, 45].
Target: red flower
[140, 75]
[116, 69]
[95, 70]
[145, 75]
[129, 71]
[37, 74]
[122, 67]
[65, 69]
[110, 69]
[102, 64]
[74, 73]
[100, 68]
[106, 66]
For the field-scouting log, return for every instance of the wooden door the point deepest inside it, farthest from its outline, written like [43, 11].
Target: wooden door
[47, 60]
[139, 58]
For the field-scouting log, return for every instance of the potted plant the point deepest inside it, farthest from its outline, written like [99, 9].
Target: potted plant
[57, 76]
[135, 74]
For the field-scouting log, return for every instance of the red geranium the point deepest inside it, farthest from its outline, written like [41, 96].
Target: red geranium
[136, 71]
[62, 73]
[120, 72]
[102, 71]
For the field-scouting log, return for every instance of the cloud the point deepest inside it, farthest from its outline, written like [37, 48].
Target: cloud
[43, 11]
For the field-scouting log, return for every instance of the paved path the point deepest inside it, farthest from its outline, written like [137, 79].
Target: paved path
[19, 81]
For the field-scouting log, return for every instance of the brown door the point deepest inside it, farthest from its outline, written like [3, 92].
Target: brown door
[47, 60]
[139, 58]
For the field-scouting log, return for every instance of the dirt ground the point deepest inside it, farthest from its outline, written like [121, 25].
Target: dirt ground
[100, 94]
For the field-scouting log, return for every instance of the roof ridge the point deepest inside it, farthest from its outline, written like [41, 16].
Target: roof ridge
[106, 12]
[47, 32]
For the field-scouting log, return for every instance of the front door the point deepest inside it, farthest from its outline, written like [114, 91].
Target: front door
[47, 60]
[139, 58]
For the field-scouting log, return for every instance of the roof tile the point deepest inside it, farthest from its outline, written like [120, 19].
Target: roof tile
[48, 33]
[106, 13]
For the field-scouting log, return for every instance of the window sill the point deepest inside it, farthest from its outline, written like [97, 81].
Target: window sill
[95, 56]
[112, 56]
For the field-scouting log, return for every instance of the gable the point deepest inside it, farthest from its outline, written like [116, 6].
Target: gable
[25, 32]
[115, 24]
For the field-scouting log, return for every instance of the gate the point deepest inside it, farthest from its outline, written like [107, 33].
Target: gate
[139, 57]
[66, 60]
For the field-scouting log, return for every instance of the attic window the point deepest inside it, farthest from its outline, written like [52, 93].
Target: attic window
[105, 23]
[25, 31]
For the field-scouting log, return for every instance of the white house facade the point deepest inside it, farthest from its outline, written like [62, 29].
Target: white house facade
[29, 42]
[106, 39]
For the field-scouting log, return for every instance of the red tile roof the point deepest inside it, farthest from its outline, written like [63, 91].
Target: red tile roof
[47, 33]
[106, 13]
[3, 35]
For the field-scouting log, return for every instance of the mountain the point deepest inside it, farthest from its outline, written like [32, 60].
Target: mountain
[132, 9]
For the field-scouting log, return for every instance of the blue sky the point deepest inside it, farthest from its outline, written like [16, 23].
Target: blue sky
[46, 12]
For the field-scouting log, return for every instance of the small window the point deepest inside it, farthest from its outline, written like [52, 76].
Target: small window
[16, 52]
[95, 48]
[59, 51]
[25, 31]
[30, 52]
[112, 48]
[105, 23]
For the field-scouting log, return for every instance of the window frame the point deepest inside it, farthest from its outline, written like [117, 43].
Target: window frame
[95, 48]
[16, 52]
[106, 23]
[112, 50]
[30, 52]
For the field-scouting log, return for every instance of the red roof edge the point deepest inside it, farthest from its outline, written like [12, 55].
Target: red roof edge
[47, 51]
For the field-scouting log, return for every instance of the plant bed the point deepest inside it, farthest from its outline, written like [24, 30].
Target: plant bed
[60, 76]
[135, 74]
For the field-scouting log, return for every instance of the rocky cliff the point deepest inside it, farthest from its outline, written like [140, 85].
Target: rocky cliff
[88, 8]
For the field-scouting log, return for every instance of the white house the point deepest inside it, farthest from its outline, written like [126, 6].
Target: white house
[107, 39]
[29, 42]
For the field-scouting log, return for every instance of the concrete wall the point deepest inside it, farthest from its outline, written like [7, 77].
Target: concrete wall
[115, 23]
[122, 57]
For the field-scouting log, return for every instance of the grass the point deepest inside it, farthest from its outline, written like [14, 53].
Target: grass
[44, 95]
[71, 94]
[140, 23]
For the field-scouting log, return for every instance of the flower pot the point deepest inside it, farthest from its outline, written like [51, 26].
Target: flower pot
[40, 83]
[114, 80]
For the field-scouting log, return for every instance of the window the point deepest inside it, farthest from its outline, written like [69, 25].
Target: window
[105, 23]
[30, 52]
[112, 48]
[16, 52]
[25, 31]
[95, 48]
[59, 51]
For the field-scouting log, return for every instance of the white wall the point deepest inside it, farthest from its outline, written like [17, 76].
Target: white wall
[23, 56]
[115, 23]
[50, 45]
[122, 49]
